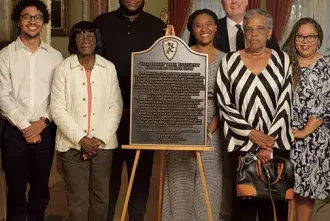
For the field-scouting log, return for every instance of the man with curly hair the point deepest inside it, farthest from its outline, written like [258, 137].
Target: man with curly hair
[26, 70]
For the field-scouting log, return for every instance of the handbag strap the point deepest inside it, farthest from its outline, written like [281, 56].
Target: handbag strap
[290, 205]
[290, 202]
[280, 168]
[260, 174]
[271, 198]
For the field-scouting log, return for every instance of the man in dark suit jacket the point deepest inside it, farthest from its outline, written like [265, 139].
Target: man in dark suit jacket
[227, 26]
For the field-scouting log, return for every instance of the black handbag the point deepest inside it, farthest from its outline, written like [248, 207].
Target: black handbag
[257, 180]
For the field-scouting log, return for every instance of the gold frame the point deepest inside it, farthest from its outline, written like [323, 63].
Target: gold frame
[63, 29]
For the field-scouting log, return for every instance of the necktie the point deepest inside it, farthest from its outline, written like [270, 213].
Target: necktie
[240, 44]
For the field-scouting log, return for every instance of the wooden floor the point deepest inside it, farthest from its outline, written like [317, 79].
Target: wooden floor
[57, 210]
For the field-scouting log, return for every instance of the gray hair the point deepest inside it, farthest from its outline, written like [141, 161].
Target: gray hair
[253, 12]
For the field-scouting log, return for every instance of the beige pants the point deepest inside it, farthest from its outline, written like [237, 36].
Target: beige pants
[87, 184]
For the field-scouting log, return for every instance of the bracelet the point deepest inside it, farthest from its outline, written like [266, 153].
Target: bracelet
[209, 134]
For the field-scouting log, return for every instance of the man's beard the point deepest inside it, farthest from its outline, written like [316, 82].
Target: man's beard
[31, 36]
[128, 12]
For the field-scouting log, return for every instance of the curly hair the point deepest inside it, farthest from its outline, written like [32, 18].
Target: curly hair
[290, 46]
[192, 17]
[16, 15]
[84, 26]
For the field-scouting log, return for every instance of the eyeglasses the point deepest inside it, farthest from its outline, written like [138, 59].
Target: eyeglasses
[37, 18]
[310, 38]
[88, 36]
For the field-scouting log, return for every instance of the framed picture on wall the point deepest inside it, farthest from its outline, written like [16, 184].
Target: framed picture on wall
[60, 17]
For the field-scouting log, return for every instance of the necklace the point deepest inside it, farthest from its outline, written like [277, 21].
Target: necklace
[305, 62]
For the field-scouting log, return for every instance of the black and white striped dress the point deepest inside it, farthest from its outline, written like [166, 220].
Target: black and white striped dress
[249, 101]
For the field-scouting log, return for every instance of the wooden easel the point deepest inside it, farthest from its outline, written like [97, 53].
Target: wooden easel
[138, 149]
[198, 149]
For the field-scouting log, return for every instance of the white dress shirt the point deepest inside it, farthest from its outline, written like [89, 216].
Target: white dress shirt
[25, 82]
[232, 31]
[69, 103]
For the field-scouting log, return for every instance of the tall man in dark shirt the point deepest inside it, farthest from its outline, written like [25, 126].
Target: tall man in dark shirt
[126, 30]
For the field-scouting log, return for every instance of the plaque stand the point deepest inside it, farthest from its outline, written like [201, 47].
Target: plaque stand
[138, 149]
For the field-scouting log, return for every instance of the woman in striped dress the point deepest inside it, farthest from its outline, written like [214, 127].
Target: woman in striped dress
[183, 193]
[254, 87]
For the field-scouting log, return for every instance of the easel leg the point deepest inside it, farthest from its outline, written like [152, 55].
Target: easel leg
[206, 194]
[161, 185]
[131, 181]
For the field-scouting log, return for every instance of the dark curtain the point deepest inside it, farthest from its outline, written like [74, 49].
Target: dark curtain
[280, 10]
[178, 12]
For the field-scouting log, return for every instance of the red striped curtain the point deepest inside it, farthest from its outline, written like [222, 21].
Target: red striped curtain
[254, 4]
[178, 12]
[98, 7]
[280, 10]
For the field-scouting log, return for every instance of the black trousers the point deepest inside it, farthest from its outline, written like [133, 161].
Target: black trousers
[248, 209]
[140, 190]
[25, 163]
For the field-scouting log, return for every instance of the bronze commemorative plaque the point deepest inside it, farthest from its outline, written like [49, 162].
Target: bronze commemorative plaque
[169, 95]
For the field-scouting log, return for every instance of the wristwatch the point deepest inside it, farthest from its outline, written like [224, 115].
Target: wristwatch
[46, 120]
[209, 134]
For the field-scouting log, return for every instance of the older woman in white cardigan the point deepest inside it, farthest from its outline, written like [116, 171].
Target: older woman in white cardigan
[86, 105]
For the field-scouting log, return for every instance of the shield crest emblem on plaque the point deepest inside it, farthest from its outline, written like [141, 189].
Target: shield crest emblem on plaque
[170, 47]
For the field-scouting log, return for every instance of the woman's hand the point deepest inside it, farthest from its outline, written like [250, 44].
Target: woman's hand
[299, 134]
[312, 125]
[90, 146]
[265, 156]
[262, 140]
[212, 127]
